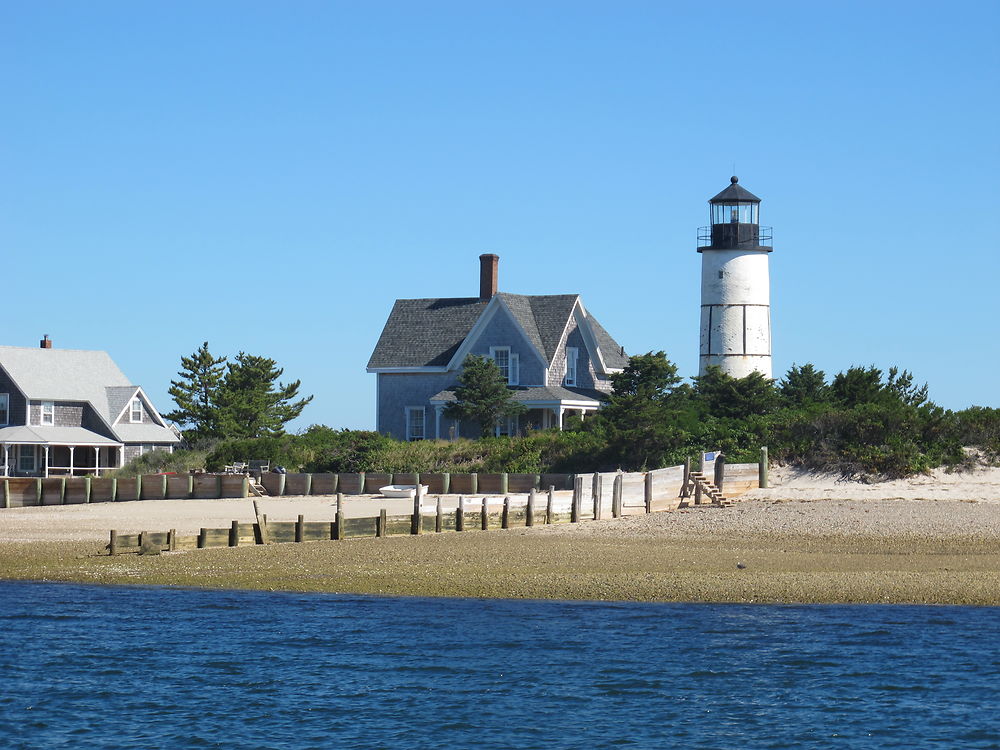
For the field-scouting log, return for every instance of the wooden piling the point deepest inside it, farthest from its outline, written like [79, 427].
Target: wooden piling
[719, 475]
[6, 493]
[595, 495]
[485, 515]
[460, 514]
[505, 514]
[113, 544]
[574, 508]
[418, 496]
[548, 505]
[202, 538]
[437, 516]
[339, 526]
[261, 524]
[380, 524]
[686, 484]
[762, 469]
[529, 519]
[647, 491]
[86, 489]
[616, 496]
[300, 526]
[234, 534]
[172, 540]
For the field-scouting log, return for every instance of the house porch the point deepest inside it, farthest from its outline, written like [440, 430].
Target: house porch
[22, 459]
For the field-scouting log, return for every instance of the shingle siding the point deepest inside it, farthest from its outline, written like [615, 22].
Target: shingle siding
[397, 391]
[503, 331]
[17, 402]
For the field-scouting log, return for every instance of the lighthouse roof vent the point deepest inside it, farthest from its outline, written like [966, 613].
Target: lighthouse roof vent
[735, 193]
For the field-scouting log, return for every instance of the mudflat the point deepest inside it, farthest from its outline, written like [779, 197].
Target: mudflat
[767, 549]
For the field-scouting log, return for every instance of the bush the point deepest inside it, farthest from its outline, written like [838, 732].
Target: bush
[161, 461]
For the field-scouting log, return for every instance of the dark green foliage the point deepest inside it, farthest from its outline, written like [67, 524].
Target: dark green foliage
[482, 395]
[804, 385]
[252, 403]
[196, 395]
[722, 395]
[160, 461]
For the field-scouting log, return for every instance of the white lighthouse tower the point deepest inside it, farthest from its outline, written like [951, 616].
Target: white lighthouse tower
[735, 286]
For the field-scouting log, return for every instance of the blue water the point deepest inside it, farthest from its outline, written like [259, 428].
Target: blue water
[91, 667]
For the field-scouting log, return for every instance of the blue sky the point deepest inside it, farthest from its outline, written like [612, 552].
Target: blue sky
[271, 176]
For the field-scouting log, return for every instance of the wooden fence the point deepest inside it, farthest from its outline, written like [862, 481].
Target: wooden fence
[593, 497]
[21, 492]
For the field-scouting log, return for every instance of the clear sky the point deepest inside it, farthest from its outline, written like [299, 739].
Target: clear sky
[270, 176]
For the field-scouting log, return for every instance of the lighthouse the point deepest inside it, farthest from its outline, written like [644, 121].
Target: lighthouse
[735, 286]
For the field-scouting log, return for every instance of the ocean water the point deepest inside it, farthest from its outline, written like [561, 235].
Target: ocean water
[102, 667]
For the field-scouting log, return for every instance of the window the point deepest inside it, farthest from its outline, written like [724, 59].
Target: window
[4, 408]
[415, 423]
[507, 361]
[48, 412]
[571, 355]
[136, 412]
[506, 426]
[26, 458]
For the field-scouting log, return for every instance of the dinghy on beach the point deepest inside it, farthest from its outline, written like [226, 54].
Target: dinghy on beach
[401, 490]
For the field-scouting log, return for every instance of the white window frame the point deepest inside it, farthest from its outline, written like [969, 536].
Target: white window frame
[47, 408]
[572, 354]
[506, 426]
[512, 376]
[410, 411]
[5, 408]
[136, 402]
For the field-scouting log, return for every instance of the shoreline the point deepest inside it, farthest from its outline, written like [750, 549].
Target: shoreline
[759, 551]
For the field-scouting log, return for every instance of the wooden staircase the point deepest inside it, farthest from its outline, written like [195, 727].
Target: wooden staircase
[257, 489]
[701, 491]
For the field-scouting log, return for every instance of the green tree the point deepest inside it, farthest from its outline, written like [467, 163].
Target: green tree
[196, 395]
[642, 413]
[722, 395]
[482, 395]
[252, 403]
[804, 385]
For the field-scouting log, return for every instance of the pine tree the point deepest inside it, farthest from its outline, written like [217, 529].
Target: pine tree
[196, 394]
[252, 403]
[482, 395]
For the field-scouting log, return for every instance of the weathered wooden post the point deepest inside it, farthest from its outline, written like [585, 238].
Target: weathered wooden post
[697, 493]
[418, 498]
[6, 493]
[261, 523]
[647, 491]
[113, 544]
[529, 519]
[460, 514]
[549, 503]
[163, 487]
[505, 514]
[485, 514]
[62, 491]
[574, 510]
[172, 540]
[503, 483]
[234, 534]
[720, 471]
[202, 538]
[595, 492]
[438, 516]
[218, 485]
[762, 468]
[474, 481]
[380, 524]
[616, 496]
[86, 489]
[300, 526]
[445, 483]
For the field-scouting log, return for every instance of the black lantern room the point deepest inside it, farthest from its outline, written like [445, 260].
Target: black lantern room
[735, 222]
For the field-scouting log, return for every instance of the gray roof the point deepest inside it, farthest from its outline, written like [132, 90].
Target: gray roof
[57, 435]
[735, 194]
[428, 332]
[540, 394]
[76, 375]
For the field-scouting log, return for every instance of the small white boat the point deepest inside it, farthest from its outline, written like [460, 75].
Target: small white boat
[401, 490]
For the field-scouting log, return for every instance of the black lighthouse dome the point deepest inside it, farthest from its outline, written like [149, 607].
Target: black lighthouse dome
[735, 220]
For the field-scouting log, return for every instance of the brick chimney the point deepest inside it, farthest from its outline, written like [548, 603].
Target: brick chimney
[46, 342]
[489, 270]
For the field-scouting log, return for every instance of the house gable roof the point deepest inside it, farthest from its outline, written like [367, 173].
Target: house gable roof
[74, 375]
[427, 333]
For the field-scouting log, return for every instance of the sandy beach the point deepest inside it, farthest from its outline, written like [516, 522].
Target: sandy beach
[809, 538]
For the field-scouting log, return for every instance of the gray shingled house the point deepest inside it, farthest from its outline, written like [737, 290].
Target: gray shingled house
[556, 358]
[72, 413]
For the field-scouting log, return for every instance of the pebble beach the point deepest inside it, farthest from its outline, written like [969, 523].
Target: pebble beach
[808, 538]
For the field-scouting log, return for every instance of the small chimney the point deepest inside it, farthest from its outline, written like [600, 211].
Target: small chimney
[46, 342]
[489, 270]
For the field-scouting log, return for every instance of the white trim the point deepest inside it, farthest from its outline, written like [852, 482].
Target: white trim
[41, 413]
[133, 402]
[406, 369]
[572, 356]
[512, 363]
[583, 323]
[408, 410]
[485, 317]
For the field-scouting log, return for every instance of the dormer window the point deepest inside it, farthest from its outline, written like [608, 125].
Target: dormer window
[571, 356]
[48, 412]
[135, 412]
[4, 408]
